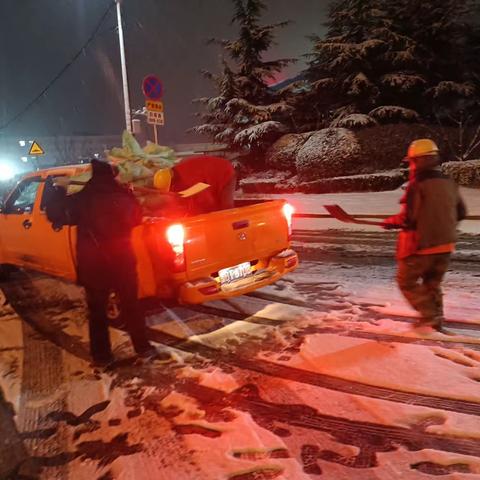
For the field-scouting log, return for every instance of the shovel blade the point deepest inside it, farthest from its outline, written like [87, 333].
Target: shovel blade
[336, 211]
[339, 213]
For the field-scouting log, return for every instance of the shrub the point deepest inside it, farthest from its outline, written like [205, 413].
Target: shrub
[330, 152]
[465, 173]
[375, 182]
[282, 154]
[285, 183]
[383, 147]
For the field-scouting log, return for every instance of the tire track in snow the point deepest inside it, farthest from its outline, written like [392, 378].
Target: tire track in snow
[285, 372]
[328, 382]
[267, 414]
[349, 432]
[449, 323]
[346, 431]
[382, 337]
[12, 449]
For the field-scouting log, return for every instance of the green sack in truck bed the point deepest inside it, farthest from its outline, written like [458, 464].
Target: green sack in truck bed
[136, 165]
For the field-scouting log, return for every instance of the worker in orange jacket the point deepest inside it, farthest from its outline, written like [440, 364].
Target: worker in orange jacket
[431, 209]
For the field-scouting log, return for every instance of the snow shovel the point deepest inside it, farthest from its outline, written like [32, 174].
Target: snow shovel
[336, 211]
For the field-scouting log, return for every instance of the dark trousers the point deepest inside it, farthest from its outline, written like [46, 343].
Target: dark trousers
[100, 347]
[419, 278]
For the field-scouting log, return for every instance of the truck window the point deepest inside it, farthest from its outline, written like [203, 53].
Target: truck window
[47, 191]
[23, 197]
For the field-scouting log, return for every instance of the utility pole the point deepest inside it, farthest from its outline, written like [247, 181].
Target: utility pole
[126, 94]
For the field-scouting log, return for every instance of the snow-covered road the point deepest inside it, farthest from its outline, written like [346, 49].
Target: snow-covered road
[382, 203]
[319, 376]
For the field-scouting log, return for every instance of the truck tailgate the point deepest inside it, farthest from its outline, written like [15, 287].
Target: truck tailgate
[229, 237]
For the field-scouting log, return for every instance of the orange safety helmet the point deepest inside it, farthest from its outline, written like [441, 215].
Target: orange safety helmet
[423, 147]
[162, 180]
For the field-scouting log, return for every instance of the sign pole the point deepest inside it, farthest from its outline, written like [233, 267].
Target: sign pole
[155, 131]
[126, 95]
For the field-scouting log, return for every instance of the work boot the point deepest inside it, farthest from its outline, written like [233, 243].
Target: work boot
[425, 325]
[436, 323]
[438, 326]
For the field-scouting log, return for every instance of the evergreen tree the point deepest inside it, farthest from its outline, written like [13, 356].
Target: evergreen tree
[358, 62]
[390, 61]
[246, 113]
[439, 30]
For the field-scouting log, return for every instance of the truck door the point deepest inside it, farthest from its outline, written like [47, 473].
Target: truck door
[16, 223]
[30, 239]
[56, 251]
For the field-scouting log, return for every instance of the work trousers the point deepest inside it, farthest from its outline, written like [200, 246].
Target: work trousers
[419, 278]
[100, 346]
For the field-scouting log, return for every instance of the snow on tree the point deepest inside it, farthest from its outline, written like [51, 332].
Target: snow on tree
[418, 56]
[438, 31]
[246, 113]
[355, 121]
[393, 113]
[403, 82]
[261, 135]
[344, 61]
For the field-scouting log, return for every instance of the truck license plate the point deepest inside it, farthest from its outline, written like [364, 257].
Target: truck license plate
[229, 275]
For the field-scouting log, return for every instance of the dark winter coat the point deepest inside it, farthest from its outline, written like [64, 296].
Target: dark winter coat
[105, 213]
[431, 210]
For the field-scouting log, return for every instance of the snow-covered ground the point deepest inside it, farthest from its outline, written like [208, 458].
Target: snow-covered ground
[318, 376]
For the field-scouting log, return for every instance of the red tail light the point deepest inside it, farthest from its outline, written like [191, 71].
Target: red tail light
[176, 239]
[288, 212]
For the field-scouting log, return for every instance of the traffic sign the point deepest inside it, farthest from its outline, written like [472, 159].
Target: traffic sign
[36, 149]
[153, 106]
[152, 87]
[155, 118]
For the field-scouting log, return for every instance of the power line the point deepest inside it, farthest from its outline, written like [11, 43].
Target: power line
[61, 72]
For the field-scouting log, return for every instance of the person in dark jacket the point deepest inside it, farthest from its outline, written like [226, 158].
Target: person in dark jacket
[105, 213]
[431, 209]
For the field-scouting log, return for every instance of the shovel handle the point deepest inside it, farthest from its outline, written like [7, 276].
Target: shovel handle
[340, 214]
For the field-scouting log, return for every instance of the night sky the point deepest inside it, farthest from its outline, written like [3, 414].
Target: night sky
[165, 37]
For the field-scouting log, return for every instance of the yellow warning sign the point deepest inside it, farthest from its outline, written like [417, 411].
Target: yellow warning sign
[36, 149]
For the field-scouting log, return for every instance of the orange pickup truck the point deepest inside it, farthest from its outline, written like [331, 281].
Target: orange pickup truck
[189, 260]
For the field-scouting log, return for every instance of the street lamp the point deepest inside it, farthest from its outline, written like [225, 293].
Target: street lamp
[126, 95]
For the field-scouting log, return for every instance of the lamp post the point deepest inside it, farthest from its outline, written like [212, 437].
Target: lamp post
[126, 94]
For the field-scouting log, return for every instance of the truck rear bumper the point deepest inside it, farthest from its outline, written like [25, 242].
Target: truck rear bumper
[209, 289]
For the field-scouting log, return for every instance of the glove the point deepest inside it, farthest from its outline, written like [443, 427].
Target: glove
[391, 226]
